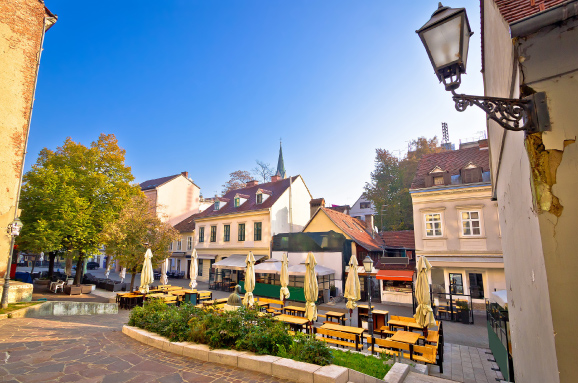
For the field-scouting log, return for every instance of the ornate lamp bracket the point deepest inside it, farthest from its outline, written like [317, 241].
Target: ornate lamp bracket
[529, 114]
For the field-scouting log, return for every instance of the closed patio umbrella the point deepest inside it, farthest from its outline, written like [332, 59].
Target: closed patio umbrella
[352, 287]
[146, 275]
[107, 272]
[164, 278]
[284, 278]
[122, 274]
[194, 270]
[311, 288]
[248, 299]
[423, 314]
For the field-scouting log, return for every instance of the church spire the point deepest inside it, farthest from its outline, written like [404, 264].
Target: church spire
[280, 164]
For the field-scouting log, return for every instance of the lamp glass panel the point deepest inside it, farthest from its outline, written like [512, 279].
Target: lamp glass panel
[443, 42]
[466, 43]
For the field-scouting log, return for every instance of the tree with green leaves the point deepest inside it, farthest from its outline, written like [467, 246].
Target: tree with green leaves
[137, 225]
[391, 181]
[70, 194]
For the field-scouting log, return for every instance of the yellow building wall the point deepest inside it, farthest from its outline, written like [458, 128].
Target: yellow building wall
[321, 222]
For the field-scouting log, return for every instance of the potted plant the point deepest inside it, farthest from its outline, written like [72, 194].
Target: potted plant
[464, 311]
[333, 290]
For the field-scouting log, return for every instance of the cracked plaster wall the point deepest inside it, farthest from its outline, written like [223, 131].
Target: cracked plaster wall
[21, 29]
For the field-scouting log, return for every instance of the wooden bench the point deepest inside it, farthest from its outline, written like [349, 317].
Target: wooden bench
[425, 354]
[395, 317]
[272, 310]
[384, 330]
[389, 347]
[353, 340]
[170, 299]
[205, 296]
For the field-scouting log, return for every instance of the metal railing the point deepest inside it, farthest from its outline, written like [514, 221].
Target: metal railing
[499, 338]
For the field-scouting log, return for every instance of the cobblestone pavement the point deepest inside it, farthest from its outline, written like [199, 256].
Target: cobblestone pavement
[93, 349]
[468, 365]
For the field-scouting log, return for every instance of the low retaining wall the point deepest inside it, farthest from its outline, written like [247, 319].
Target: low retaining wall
[18, 291]
[63, 309]
[266, 364]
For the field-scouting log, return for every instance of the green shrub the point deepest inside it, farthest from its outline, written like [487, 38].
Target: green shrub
[305, 348]
[366, 364]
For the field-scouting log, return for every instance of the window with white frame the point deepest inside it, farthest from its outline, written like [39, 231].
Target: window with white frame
[471, 223]
[433, 225]
[179, 245]
[189, 243]
[171, 246]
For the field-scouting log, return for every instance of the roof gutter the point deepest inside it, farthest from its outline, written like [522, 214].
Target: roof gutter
[534, 23]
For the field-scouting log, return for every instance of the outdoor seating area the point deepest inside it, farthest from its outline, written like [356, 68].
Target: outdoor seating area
[173, 295]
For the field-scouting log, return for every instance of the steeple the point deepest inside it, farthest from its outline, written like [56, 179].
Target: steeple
[280, 164]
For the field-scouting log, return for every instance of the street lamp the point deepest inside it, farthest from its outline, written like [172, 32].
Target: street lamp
[14, 231]
[446, 38]
[368, 266]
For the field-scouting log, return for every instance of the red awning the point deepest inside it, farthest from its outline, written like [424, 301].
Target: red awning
[395, 275]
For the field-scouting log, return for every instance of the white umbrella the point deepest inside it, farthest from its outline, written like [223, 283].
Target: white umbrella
[248, 299]
[122, 274]
[41, 257]
[108, 264]
[194, 270]
[164, 267]
[423, 314]
[146, 275]
[311, 288]
[284, 278]
[352, 287]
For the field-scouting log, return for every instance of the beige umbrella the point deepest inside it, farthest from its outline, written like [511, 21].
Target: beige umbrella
[352, 287]
[164, 278]
[284, 277]
[248, 299]
[107, 272]
[423, 314]
[122, 274]
[311, 288]
[146, 275]
[194, 270]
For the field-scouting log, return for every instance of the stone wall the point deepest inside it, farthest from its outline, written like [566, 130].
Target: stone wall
[18, 292]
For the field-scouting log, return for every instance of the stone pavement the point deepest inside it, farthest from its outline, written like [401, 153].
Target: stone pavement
[93, 349]
[468, 365]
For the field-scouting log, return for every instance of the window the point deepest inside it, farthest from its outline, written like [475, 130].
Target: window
[179, 245]
[227, 233]
[189, 243]
[241, 232]
[171, 246]
[216, 205]
[213, 233]
[476, 286]
[438, 181]
[471, 223]
[257, 231]
[364, 205]
[237, 201]
[433, 225]
[201, 234]
[259, 198]
[456, 284]
[200, 268]
[178, 265]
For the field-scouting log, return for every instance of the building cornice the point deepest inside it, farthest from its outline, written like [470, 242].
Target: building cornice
[234, 215]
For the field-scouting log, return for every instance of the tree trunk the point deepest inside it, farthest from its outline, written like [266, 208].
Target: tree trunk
[33, 264]
[133, 273]
[51, 257]
[107, 263]
[77, 276]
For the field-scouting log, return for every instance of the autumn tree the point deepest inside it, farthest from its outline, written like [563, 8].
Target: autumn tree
[263, 170]
[391, 181]
[237, 180]
[69, 195]
[137, 225]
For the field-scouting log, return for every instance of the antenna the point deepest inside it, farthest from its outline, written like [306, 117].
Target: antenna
[445, 133]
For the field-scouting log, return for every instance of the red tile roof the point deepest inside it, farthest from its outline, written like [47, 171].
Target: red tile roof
[187, 225]
[276, 188]
[514, 10]
[354, 228]
[451, 161]
[403, 238]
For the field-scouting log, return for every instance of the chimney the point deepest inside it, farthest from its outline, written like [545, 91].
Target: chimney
[275, 178]
[252, 183]
[369, 224]
[186, 174]
[315, 204]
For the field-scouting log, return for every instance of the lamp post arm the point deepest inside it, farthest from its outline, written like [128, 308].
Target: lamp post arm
[510, 113]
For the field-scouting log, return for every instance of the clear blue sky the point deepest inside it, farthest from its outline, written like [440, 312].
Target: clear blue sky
[210, 86]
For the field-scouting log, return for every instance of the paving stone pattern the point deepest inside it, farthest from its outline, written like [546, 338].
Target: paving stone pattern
[468, 365]
[93, 349]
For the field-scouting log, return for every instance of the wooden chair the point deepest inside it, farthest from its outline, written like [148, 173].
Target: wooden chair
[384, 330]
[389, 347]
[352, 339]
[394, 326]
[273, 310]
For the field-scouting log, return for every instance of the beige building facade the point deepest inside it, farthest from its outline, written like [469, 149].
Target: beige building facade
[22, 28]
[534, 48]
[456, 223]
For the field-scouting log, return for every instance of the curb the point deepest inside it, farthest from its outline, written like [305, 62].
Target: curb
[62, 308]
[267, 364]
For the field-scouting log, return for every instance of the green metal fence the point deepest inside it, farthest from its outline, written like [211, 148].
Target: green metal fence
[499, 339]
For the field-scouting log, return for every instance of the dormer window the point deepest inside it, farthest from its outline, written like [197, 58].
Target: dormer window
[237, 202]
[471, 174]
[240, 199]
[437, 177]
[438, 180]
[262, 196]
[259, 198]
[217, 205]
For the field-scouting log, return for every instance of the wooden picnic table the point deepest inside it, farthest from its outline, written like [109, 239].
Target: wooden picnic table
[295, 322]
[172, 288]
[406, 325]
[339, 316]
[294, 309]
[156, 295]
[338, 327]
[405, 337]
[262, 305]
